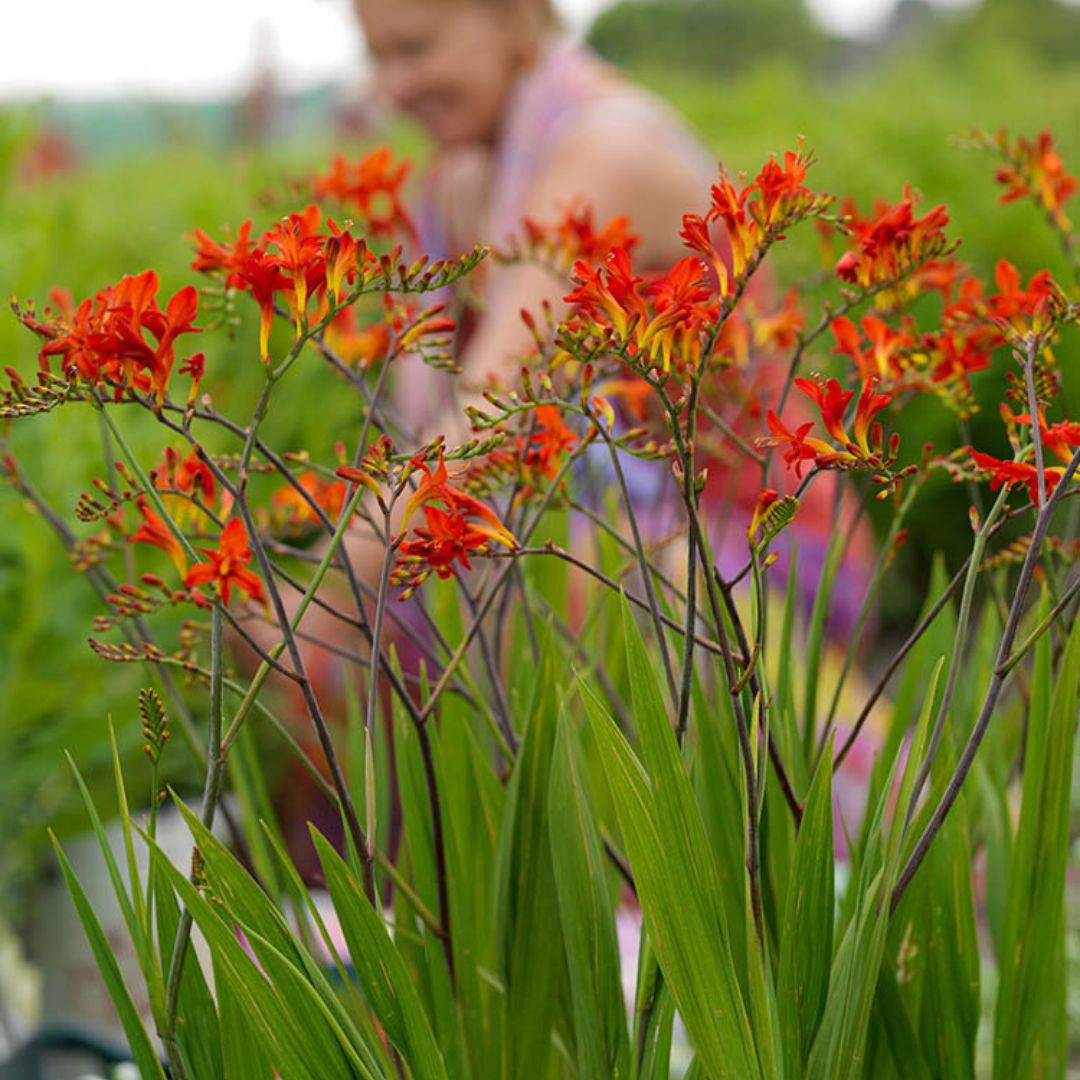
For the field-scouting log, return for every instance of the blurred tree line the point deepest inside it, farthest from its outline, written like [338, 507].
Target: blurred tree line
[722, 38]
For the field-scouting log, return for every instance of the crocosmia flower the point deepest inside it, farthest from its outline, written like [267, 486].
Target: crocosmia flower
[1036, 169]
[892, 243]
[156, 533]
[227, 565]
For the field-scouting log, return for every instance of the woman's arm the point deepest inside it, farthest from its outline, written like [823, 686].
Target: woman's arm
[616, 169]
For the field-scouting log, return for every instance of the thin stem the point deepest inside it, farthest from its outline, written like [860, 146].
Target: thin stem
[550, 548]
[214, 770]
[877, 578]
[439, 844]
[389, 550]
[732, 434]
[997, 682]
[964, 618]
[913, 639]
[643, 562]
[1031, 351]
[690, 495]
[483, 605]
[1044, 624]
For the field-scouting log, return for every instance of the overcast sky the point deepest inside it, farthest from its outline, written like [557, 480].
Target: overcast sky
[204, 48]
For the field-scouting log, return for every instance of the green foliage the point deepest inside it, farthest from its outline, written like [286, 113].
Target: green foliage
[712, 38]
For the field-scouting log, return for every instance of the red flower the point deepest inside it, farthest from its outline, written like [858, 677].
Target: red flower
[448, 538]
[1018, 305]
[104, 339]
[887, 355]
[450, 535]
[574, 236]
[371, 187]
[211, 256]
[155, 532]
[1012, 473]
[364, 346]
[261, 274]
[342, 255]
[301, 256]
[892, 243]
[545, 446]
[832, 402]
[783, 327]
[328, 495]
[611, 290]
[1036, 169]
[227, 566]
[799, 447]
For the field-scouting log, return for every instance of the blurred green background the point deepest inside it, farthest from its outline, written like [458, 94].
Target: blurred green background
[126, 181]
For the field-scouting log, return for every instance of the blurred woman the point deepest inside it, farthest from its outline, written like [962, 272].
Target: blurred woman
[524, 123]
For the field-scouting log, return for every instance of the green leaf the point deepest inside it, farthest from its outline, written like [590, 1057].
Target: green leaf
[816, 638]
[140, 937]
[244, 1050]
[1028, 1005]
[671, 859]
[198, 1032]
[933, 937]
[807, 929]
[839, 1050]
[426, 958]
[588, 922]
[380, 968]
[654, 1016]
[289, 1014]
[529, 931]
[142, 1050]
[719, 784]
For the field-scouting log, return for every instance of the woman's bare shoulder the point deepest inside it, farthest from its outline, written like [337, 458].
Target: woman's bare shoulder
[620, 166]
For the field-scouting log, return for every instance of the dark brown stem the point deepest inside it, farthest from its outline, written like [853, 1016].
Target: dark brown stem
[997, 682]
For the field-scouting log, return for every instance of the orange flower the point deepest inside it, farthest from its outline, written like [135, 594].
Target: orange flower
[545, 446]
[370, 187]
[1011, 473]
[155, 532]
[799, 447]
[211, 256]
[448, 538]
[342, 255]
[665, 319]
[892, 243]
[767, 497]
[227, 566]
[261, 274]
[301, 256]
[1017, 305]
[1036, 169]
[450, 535]
[574, 236]
[832, 403]
[103, 340]
[297, 511]
[612, 289]
[783, 327]
[364, 346]
[180, 480]
[886, 357]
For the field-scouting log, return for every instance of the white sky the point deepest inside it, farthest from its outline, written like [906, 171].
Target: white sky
[204, 48]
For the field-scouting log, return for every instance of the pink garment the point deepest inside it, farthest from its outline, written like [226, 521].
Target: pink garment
[567, 89]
